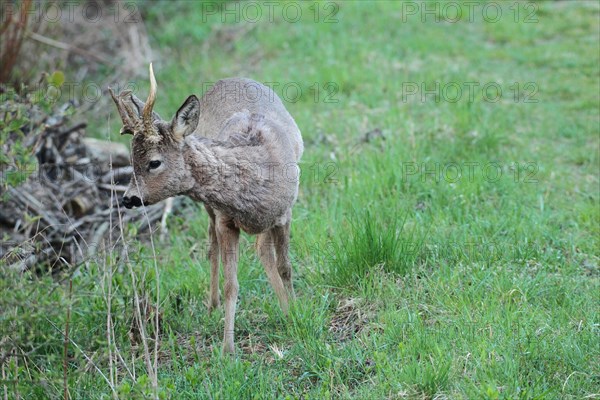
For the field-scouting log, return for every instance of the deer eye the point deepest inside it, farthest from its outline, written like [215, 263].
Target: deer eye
[154, 164]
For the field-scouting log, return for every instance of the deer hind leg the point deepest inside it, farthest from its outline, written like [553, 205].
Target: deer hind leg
[281, 239]
[228, 236]
[266, 252]
[213, 256]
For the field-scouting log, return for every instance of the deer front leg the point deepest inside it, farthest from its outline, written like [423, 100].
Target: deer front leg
[213, 255]
[228, 236]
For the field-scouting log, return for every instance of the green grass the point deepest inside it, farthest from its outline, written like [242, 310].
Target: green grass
[412, 282]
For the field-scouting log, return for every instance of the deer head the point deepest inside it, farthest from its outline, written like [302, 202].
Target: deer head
[157, 146]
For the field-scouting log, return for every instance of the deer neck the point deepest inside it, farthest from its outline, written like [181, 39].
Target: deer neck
[217, 172]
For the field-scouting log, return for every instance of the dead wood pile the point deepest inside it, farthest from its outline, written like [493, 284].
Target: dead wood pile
[68, 208]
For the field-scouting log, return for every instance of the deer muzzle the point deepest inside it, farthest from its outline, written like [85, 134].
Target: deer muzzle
[133, 201]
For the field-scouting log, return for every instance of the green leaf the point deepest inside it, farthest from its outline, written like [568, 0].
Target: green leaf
[15, 125]
[56, 79]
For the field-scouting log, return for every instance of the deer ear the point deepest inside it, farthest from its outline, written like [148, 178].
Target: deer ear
[139, 106]
[185, 120]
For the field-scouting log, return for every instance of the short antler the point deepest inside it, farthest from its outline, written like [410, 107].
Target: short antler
[127, 115]
[129, 106]
[147, 118]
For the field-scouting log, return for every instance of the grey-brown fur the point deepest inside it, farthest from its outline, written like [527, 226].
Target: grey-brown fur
[235, 150]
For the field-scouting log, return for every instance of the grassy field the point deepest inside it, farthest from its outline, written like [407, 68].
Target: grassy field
[446, 236]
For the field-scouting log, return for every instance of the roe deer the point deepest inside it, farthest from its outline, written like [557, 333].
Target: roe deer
[236, 150]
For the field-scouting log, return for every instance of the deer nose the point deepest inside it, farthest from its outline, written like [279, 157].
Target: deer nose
[132, 201]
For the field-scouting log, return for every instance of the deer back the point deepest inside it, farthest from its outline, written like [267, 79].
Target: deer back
[234, 95]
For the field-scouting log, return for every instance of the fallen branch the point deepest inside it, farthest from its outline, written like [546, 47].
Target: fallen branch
[64, 46]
